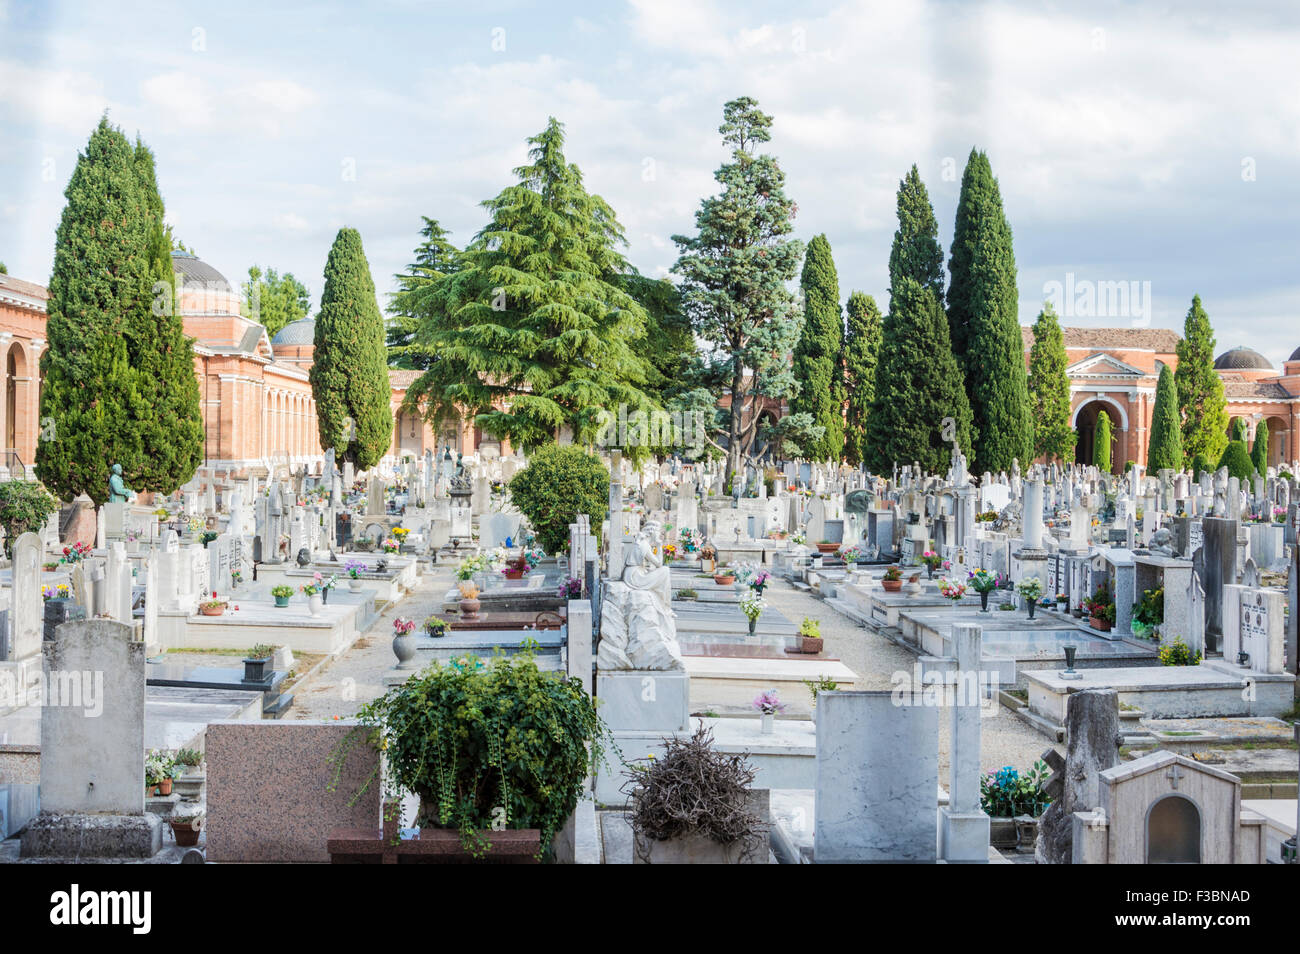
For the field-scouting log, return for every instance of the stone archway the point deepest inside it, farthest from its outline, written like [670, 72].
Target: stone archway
[1085, 420]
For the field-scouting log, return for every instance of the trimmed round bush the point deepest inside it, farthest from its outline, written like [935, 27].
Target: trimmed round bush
[559, 483]
[1237, 459]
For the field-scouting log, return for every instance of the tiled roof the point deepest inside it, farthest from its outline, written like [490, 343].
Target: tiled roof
[11, 287]
[1159, 340]
[1242, 390]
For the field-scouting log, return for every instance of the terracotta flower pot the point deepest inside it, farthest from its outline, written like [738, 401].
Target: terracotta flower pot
[811, 644]
[212, 610]
[1101, 624]
[891, 586]
[724, 580]
[825, 549]
[469, 608]
[165, 787]
[186, 833]
[511, 573]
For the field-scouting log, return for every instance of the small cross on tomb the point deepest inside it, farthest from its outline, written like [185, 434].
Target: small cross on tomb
[1174, 774]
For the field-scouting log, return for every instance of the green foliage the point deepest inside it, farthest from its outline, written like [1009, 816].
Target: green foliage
[818, 357]
[1102, 435]
[1237, 430]
[734, 272]
[282, 591]
[1150, 610]
[485, 744]
[559, 483]
[1049, 390]
[1199, 465]
[1178, 653]
[1236, 458]
[435, 258]
[1006, 793]
[4, 269]
[349, 372]
[1165, 447]
[919, 404]
[861, 358]
[916, 252]
[531, 334]
[668, 349]
[274, 300]
[119, 382]
[1200, 389]
[1259, 450]
[985, 327]
[24, 506]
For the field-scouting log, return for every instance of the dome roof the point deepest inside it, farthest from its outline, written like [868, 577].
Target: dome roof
[1295, 355]
[300, 332]
[1242, 359]
[194, 271]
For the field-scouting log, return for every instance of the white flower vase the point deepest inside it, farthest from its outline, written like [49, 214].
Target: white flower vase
[767, 723]
[354, 585]
[315, 604]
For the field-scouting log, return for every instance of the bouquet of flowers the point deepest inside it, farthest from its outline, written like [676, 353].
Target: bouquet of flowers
[798, 539]
[768, 703]
[690, 539]
[75, 553]
[59, 592]
[532, 557]
[670, 552]
[354, 569]
[401, 533]
[952, 590]
[329, 584]
[403, 626]
[1031, 588]
[982, 581]
[752, 605]
[314, 587]
[390, 545]
[571, 589]
[931, 559]
[851, 554]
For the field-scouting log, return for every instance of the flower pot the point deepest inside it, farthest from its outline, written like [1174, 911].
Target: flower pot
[165, 787]
[512, 574]
[354, 585]
[891, 586]
[984, 602]
[437, 633]
[767, 723]
[469, 608]
[212, 610]
[150, 790]
[826, 549]
[810, 644]
[1101, 624]
[324, 596]
[315, 604]
[753, 626]
[404, 650]
[257, 670]
[282, 601]
[186, 833]
[724, 580]
[1032, 607]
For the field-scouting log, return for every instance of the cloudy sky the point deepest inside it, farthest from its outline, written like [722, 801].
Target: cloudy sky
[1154, 143]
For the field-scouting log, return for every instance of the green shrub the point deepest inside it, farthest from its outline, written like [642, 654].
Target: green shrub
[1177, 653]
[282, 591]
[25, 506]
[1199, 465]
[1237, 459]
[558, 484]
[484, 745]
[1006, 793]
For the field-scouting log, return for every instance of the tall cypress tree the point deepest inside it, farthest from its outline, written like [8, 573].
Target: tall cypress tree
[1165, 447]
[861, 358]
[818, 357]
[984, 323]
[1101, 438]
[349, 372]
[1237, 430]
[916, 252]
[919, 403]
[1259, 450]
[100, 291]
[1200, 389]
[1049, 390]
[162, 357]
[530, 333]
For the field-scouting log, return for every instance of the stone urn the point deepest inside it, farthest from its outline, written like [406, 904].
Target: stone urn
[315, 604]
[469, 607]
[404, 650]
[355, 585]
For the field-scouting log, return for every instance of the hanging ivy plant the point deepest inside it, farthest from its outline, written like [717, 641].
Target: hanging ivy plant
[484, 745]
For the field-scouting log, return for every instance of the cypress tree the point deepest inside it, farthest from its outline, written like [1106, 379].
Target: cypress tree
[818, 356]
[1259, 450]
[1237, 430]
[1236, 458]
[916, 252]
[919, 405]
[349, 372]
[984, 323]
[162, 357]
[1101, 437]
[100, 288]
[1165, 446]
[861, 358]
[1200, 389]
[1049, 390]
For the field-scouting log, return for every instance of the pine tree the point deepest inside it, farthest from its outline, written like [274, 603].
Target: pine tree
[1101, 438]
[919, 405]
[162, 358]
[1200, 389]
[984, 323]
[1259, 450]
[734, 273]
[530, 333]
[1049, 390]
[916, 252]
[818, 357]
[1165, 447]
[861, 357]
[349, 372]
[100, 291]
[435, 258]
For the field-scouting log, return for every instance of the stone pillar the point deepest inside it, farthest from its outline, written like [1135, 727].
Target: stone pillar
[1033, 514]
[580, 635]
[964, 828]
[27, 613]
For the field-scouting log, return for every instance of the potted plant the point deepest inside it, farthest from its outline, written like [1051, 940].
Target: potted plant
[724, 576]
[810, 635]
[257, 664]
[827, 547]
[212, 607]
[469, 601]
[390, 545]
[515, 568]
[819, 685]
[571, 589]
[688, 595]
[1015, 803]
[1101, 609]
[282, 594]
[312, 591]
[708, 557]
[768, 705]
[952, 590]
[892, 580]
[1030, 589]
[526, 742]
[752, 605]
[186, 826]
[1149, 612]
[354, 569]
[982, 582]
[931, 560]
[158, 768]
[692, 804]
[435, 626]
